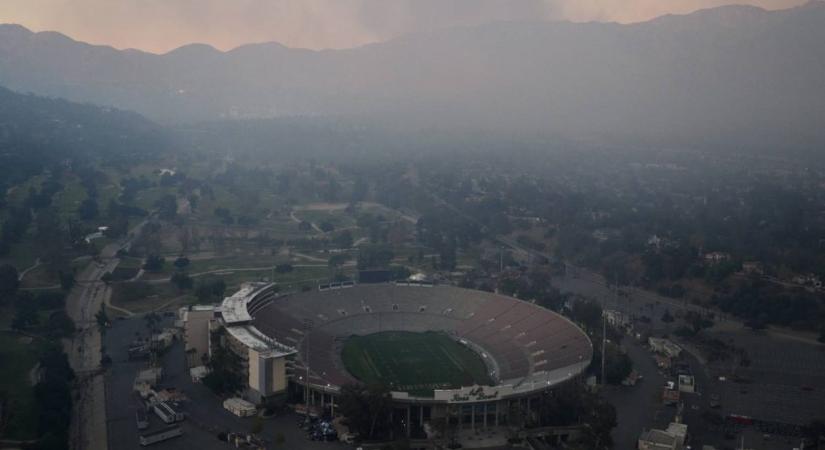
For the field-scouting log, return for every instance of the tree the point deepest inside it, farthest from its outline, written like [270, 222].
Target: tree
[154, 263]
[618, 365]
[9, 281]
[601, 419]
[54, 400]
[327, 226]
[167, 207]
[257, 425]
[667, 317]
[88, 209]
[337, 261]
[59, 325]
[152, 320]
[181, 263]
[343, 239]
[814, 433]
[225, 374]
[208, 289]
[697, 321]
[225, 215]
[304, 226]
[367, 408]
[67, 280]
[102, 319]
[283, 268]
[182, 281]
[25, 314]
[588, 313]
[447, 256]
[374, 256]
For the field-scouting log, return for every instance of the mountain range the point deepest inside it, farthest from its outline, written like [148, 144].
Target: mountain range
[735, 75]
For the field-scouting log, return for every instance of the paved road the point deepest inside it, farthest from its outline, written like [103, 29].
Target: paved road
[638, 407]
[88, 428]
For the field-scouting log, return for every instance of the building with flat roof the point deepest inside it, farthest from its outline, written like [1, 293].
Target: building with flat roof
[673, 438]
[264, 360]
[196, 329]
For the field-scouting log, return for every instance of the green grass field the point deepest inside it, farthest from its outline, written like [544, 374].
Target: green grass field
[416, 363]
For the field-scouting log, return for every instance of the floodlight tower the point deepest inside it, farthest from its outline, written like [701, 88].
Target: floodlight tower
[308, 324]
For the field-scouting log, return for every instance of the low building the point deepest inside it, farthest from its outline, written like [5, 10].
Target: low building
[146, 379]
[809, 280]
[662, 361]
[240, 407]
[665, 346]
[198, 373]
[679, 430]
[673, 438]
[716, 257]
[164, 339]
[687, 384]
[617, 319]
[657, 440]
[752, 267]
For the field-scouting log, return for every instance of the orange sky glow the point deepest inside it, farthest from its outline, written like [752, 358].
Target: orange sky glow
[161, 25]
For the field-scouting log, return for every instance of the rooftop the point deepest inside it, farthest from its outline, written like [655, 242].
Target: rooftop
[234, 310]
[250, 337]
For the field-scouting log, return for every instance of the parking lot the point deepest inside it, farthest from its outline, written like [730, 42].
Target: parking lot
[206, 416]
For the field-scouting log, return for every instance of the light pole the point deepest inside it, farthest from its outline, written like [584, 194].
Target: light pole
[308, 324]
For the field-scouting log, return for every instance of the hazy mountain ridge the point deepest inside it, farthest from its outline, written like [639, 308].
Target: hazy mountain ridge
[738, 74]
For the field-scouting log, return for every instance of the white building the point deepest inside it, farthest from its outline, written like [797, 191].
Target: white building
[264, 359]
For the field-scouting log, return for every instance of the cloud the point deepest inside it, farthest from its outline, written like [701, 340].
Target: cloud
[160, 25]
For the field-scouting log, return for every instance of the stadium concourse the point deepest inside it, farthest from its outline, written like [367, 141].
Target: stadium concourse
[527, 349]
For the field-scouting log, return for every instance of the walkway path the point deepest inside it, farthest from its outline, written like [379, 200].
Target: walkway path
[23, 273]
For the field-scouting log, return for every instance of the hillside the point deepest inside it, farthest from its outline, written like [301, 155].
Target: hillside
[36, 132]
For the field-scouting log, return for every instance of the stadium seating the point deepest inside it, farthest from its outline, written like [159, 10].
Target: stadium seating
[526, 341]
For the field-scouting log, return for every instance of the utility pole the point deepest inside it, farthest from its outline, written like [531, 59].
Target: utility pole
[307, 327]
[604, 342]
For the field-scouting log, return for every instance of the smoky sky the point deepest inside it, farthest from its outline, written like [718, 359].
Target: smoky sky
[161, 25]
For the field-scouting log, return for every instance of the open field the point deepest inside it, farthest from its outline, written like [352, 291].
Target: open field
[416, 363]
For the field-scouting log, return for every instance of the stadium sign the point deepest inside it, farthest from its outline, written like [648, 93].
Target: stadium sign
[469, 394]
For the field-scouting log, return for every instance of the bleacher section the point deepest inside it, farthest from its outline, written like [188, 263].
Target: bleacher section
[530, 344]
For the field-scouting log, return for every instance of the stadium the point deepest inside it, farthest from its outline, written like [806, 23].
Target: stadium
[470, 356]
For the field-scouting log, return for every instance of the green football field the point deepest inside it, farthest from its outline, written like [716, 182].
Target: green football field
[416, 363]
